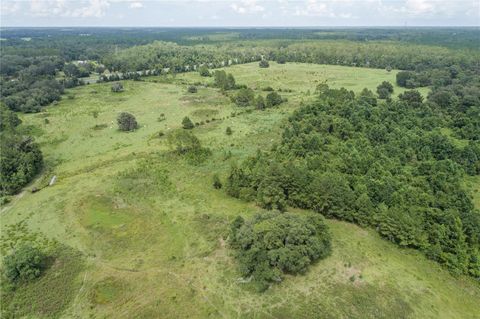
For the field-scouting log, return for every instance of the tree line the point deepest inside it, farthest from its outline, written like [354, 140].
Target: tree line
[390, 165]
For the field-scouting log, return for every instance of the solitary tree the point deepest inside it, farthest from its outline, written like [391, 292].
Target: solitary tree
[126, 122]
[244, 97]
[228, 131]
[273, 99]
[24, 263]
[192, 89]
[187, 123]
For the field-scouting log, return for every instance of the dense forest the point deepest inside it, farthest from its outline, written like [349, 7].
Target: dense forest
[388, 164]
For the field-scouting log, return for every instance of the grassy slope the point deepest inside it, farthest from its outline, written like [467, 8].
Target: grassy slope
[162, 253]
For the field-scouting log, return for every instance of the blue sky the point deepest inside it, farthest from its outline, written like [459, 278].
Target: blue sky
[240, 13]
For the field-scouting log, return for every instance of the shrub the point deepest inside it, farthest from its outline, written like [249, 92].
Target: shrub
[126, 122]
[272, 244]
[185, 143]
[273, 99]
[281, 59]
[117, 87]
[24, 264]
[244, 97]
[260, 102]
[217, 184]
[187, 123]
[268, 89]
[192, 89]
[223, 80]
[264, 64]
[228, 131]
[203, 71]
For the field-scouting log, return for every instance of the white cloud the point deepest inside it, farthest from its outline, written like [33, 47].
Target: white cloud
[247, 6]
[7, 7]
[419, 6]
[314, 8]
[94, 8]
[74, 9]
[42, 8]
[136, 5]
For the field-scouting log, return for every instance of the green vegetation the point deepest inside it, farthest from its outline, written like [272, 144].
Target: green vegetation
[187, 123]
[263, 64]
[126, 122]
[192, 89]
[117, 87]
[140, 224]
[384, 90]
[24, 264]
[274, 243]
[377, 165]
[20, 157]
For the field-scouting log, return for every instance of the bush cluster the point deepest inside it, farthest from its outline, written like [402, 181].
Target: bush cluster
[273, 243]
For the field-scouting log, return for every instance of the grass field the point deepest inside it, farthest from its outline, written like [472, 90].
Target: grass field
[150, 230]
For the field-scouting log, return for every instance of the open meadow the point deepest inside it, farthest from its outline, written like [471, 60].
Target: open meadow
[148, 231]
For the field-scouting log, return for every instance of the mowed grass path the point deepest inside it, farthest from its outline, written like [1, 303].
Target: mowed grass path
[160, 251]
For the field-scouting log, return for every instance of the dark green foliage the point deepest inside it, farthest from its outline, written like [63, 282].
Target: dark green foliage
[387, 166]
[187, 123]
[203, 71]
[8, 119]
[73, 71]
[185, 143]
[192, 89]
[20, 160]
[228, 131]
[260, 103]
[402, 77]
[281, 59]
[126, 122]
[48, 295]
[223, 80]
[217, 183]
[384, 90]
[244, 97]
[117, 87]
[272, 244]
[24, 264]
[264, 64]
[367, 96]
[412, 97]
[273, 99]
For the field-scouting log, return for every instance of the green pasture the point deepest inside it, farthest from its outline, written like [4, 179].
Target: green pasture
[149, 232]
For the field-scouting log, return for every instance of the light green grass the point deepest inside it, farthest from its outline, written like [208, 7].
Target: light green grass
[163, 253]
[304, 77]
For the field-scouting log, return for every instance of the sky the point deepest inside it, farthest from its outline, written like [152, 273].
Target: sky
[239, 13]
